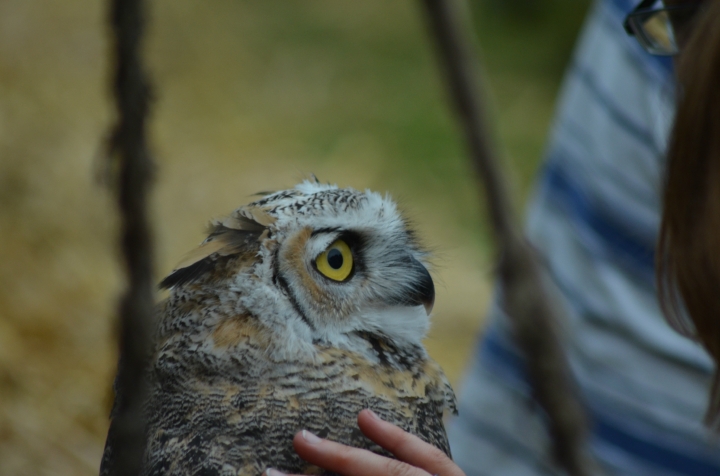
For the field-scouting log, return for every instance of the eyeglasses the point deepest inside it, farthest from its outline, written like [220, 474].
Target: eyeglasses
[661, 31]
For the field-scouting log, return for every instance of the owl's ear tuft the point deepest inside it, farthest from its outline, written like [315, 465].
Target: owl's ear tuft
[228, 237]
[238, 221]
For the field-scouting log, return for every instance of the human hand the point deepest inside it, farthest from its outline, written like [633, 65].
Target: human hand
[414, 456]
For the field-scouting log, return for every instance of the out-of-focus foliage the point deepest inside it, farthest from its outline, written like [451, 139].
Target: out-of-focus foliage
[250, 96]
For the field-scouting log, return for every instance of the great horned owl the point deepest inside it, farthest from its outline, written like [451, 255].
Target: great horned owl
[297, 311]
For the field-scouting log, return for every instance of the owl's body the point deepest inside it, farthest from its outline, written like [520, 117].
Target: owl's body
[297, 312]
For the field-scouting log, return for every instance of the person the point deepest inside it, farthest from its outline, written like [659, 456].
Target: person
[594, 221]
[688, 261]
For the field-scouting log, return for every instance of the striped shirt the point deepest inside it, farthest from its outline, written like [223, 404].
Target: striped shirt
[594, 219]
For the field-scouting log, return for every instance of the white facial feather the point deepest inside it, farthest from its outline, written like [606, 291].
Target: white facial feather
[405, 324]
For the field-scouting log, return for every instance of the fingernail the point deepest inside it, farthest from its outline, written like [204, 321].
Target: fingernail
[310, 438]
[274, 472]
[373, 414]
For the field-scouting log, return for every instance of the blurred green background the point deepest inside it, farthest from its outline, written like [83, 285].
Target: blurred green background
[250, 95]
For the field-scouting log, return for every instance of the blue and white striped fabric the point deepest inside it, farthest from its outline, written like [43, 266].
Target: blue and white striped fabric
[594, 219]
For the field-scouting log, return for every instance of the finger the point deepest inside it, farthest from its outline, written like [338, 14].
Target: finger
[406, 447]
[349, 461]
[275, 472]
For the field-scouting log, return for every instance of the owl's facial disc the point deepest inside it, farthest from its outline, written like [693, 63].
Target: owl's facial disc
[341, 281]
[345, 251]
[403, 279]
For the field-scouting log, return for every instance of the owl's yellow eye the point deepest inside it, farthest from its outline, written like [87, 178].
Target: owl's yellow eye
[336, 262]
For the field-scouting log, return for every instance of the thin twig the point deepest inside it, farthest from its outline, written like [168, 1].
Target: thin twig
[523, 296]
[129, 147]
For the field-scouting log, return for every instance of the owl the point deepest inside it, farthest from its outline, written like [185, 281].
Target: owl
[298, 311]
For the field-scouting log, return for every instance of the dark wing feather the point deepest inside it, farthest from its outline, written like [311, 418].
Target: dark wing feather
[188, 274]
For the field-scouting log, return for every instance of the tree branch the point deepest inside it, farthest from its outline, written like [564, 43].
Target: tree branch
[524, 299]
[129, 148]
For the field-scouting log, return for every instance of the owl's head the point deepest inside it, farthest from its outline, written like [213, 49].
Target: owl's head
[324, 261]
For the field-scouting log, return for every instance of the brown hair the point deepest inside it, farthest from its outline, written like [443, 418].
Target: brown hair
[688, 258]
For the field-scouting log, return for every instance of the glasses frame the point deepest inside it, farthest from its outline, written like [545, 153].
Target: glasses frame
[633, 27]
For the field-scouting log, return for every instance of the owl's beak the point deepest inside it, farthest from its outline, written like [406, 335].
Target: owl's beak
[420, 291]
[429, 306]
[424, 289]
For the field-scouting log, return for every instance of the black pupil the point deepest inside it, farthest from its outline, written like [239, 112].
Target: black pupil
[335, 258]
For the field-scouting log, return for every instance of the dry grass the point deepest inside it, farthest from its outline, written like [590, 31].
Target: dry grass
[250, 96]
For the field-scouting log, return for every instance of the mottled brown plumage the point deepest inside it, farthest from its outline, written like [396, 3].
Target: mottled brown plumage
[257, 342]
